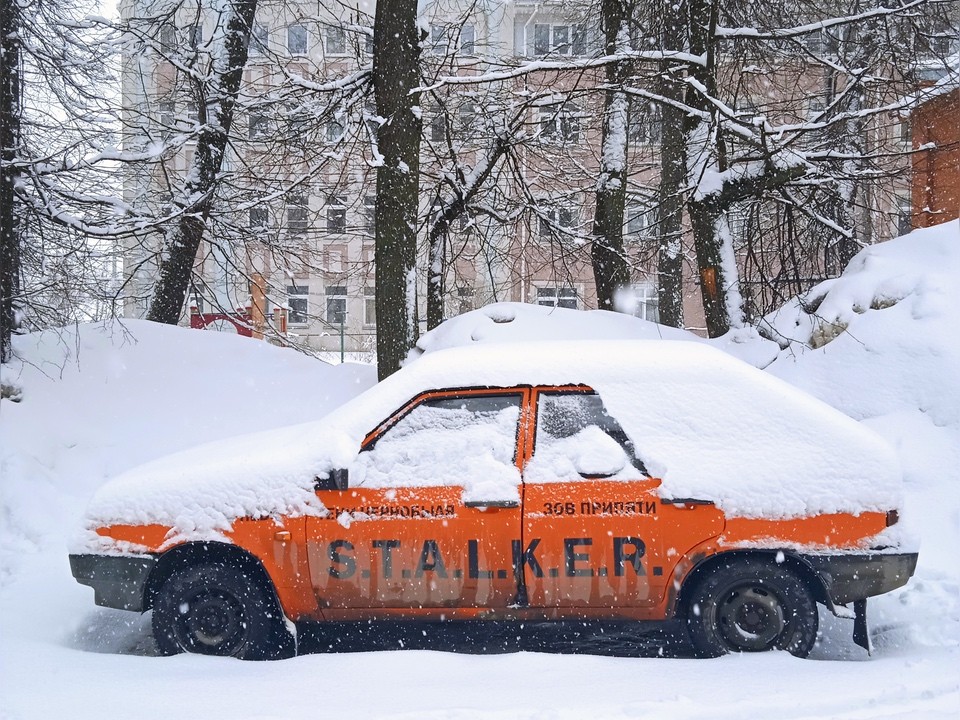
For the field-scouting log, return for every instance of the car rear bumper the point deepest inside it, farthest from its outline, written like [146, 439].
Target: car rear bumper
[847, 578]
[117, 581]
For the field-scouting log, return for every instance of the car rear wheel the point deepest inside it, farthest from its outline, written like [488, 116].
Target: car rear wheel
[752, 605]
[217, 610]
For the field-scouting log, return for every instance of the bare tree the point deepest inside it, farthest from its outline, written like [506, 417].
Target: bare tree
[216, 91]
[396, 77]
[610, 271]
[10, 233]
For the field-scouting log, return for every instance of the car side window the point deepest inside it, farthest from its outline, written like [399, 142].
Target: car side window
[446, 441]
[577, 437]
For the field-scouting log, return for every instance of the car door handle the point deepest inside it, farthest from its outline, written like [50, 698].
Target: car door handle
[492, 503]
[686, 501]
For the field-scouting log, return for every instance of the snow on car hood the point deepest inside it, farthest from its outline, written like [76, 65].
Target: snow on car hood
[710, 426]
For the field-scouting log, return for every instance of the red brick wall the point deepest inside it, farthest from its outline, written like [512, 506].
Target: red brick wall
[936, 173]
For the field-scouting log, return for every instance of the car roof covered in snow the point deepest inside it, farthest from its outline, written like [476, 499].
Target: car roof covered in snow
[710, 426]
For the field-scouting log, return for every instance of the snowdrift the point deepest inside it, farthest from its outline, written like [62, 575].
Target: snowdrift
[98, 399]
[883, 337]
[522, 322]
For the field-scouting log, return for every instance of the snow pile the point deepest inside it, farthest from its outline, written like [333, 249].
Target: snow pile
[522, 322]
[100, 399]
[882, 344]
[882, 337]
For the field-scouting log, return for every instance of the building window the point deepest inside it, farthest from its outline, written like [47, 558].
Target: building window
[258, 126]
[813, 42]
[647, 302]
[168, 38]
[468, 40]
[167, 113]
[564, 297]
[905, 132]
[438, 127]
[466, 116]
[640, 222]
[333, 259]
[259, 40]
[545, 38]
[297, 301]
[438, 39]
[560, 123]
[297, 221]
[646, 124]
[370, 214]
[371, 119]
[368, 42]
[370, 307]
[336, 304]
[193, 114]
[297, 40]
[335, 130]
[259, 218]
[541, 39]
[464, 300]
[336, 214]
[904, 214]
[553, 222]
[336, 40]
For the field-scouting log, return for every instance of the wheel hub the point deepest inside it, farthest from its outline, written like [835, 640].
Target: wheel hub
[212, 623]
[750, 618]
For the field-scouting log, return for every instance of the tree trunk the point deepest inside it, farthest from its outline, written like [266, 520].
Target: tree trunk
[439, 230]
[673, 175]
[719, 284]
[610, 269]
[437, 271]
[396, 61]
[216, 116]
[10, 238]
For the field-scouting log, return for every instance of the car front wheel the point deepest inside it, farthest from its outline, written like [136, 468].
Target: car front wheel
[752, 605]
[216, 610]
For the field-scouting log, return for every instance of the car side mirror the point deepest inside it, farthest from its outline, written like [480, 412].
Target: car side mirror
[337, 479]
[600, 457]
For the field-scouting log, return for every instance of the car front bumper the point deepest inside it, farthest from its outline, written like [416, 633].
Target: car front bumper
[118, 581]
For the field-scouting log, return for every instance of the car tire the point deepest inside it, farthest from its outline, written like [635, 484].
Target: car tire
[218, 610]
[751, 605]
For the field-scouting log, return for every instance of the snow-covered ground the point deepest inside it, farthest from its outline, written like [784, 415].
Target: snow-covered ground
[96, 401]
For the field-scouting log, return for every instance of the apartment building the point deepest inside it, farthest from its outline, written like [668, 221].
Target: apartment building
[295, 236]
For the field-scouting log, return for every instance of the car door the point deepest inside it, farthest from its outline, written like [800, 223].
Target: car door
[596, 533]
[431, 508]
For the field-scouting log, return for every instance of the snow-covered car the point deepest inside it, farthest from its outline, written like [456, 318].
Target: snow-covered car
[640, 480]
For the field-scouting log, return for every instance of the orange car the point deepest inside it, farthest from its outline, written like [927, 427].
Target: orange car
[633, 480]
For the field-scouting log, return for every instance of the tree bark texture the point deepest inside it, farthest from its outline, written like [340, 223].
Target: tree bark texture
[396, 62]
[10, 235]
[611, 272]
[216, 118]
[705, 153]
[673, 174]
